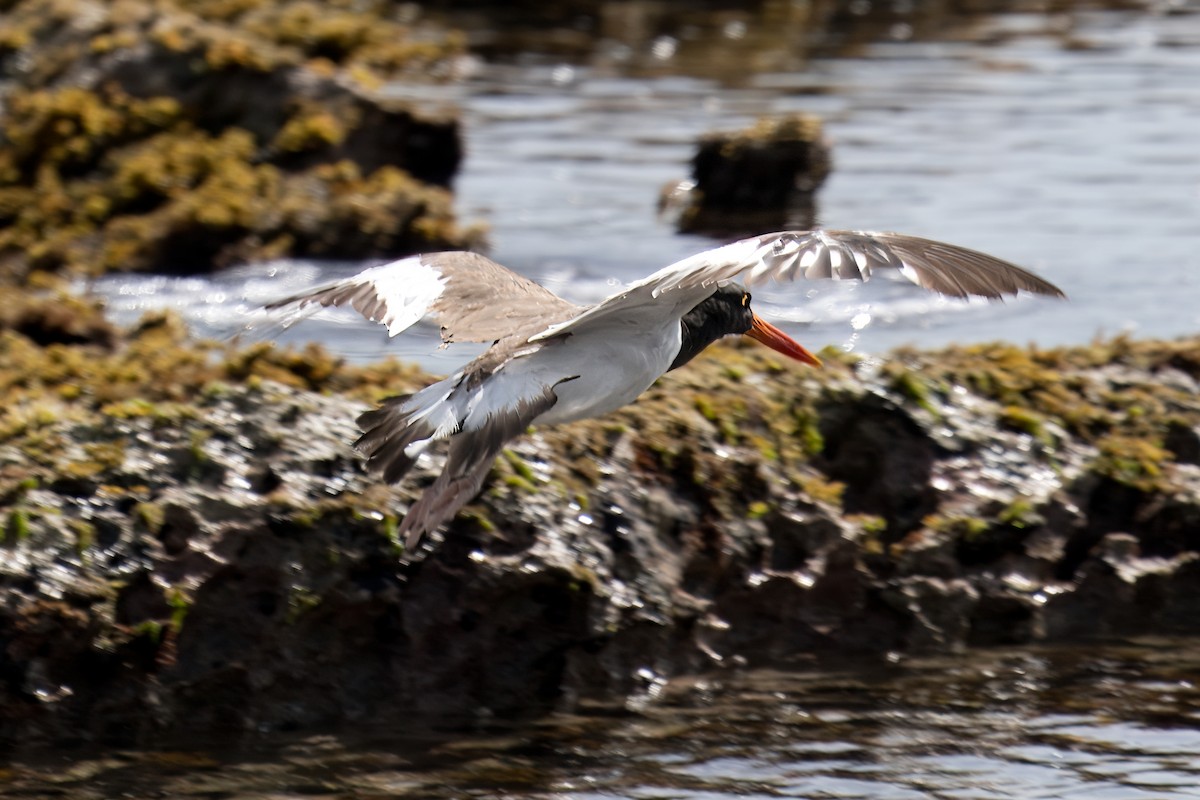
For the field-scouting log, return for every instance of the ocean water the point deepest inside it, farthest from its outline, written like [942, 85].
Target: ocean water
[1117, 722]
[1062, 142]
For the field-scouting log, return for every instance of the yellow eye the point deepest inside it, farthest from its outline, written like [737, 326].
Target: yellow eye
[746, 300]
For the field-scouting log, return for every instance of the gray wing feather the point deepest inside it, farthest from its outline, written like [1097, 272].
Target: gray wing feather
[484, 301]
[472, 298]
[817, 255]
[854, 255]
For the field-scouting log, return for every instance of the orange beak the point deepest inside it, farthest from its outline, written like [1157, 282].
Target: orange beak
[779, 341]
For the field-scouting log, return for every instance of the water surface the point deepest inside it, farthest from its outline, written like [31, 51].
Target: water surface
[1063, 142]
[1113, 721]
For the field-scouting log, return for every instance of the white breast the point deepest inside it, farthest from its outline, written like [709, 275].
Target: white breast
[608, 367]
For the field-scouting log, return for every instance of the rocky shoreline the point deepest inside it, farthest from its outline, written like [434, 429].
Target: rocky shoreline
[190, 544]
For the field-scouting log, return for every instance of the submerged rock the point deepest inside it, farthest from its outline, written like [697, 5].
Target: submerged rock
[192, 546]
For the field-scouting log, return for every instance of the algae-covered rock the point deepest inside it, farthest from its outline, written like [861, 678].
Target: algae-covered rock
[56, 317]
[764, 177]
[189, 544]
[185, 136]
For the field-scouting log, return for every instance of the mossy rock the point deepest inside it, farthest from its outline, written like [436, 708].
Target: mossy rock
[763, 177]
[185, 137]
[207, 488]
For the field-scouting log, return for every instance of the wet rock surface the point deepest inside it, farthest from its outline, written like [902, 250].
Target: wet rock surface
[198, 548]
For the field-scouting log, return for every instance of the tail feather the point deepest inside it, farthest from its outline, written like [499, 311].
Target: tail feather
[395, 433]
[472, 452]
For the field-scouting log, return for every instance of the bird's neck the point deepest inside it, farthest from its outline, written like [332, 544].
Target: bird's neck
[694, 339]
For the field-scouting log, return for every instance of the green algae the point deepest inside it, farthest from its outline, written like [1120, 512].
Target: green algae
[807, 431]
[180, 605]
[151, 630]
[521, 475]
[69, 131]
[158, 373]
[1024, 421]
[475, 515]
[820, 489]
[148, 516]
[15, 486]
[300, 601]
[391, 529]
[957, 526]
[870, 524]
[369, 39]
[16, 527]
[912, 385]
[1019, 514]
[310, 129]
[1080, 389]
[84, 533]
[1135, 462]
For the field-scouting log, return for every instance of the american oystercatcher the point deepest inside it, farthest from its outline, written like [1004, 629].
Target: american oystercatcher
[553, 361]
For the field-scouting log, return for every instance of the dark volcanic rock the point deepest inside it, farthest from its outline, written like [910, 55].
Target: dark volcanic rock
[224, 564]
[884, 458]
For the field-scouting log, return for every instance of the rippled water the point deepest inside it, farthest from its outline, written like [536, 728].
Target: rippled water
[1086, 722]
[1063, 142]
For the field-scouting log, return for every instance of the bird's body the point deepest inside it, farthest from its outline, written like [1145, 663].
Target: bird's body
[619, 368]
[552, 361]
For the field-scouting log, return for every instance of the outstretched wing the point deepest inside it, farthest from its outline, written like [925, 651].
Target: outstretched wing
[811, 255]
[473, 298]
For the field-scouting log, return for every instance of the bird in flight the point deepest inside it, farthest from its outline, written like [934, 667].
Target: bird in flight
[552, 361]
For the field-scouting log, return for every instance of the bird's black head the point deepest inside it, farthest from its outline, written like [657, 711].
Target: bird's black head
[727, 311]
